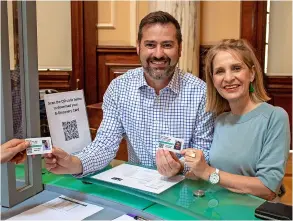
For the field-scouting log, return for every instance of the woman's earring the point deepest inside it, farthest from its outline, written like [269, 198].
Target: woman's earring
[251, 88]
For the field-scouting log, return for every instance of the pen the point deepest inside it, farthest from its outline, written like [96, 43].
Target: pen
[72, 201]
[136, 217]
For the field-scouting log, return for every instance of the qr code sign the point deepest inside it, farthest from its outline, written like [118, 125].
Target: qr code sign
[70, 130]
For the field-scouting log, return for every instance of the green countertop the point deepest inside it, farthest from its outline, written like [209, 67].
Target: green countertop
[176, 203]
[70, 182]
[217, 204]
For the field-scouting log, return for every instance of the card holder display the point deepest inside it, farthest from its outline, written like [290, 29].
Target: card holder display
[273, 211]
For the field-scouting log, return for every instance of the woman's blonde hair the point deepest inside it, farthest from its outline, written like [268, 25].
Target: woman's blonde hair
[240, 47]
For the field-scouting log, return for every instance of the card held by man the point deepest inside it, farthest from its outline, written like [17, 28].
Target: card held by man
[171, 143]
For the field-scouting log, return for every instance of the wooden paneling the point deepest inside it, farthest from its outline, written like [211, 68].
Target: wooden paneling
[253, 26]
[280, 90]
[77, 42]
[90, 38]
[58, 80]
[203, 52]
[289, 166]
[287, 198]
[279, 84]
[113, 61]
[95, 116]
[84, 36]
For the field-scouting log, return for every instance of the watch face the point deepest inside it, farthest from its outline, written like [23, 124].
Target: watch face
[214, 178]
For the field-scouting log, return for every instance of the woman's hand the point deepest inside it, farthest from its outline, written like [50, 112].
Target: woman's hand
[195, 160]
[14, 151]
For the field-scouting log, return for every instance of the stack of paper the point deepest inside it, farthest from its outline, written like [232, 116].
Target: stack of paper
[139, 178]
[61, 208]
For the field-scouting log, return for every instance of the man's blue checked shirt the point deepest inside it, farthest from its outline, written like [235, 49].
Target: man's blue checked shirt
[131, 109]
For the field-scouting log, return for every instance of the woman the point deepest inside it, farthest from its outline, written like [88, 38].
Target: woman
[251, 138]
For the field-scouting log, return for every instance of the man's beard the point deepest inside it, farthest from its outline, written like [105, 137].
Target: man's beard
[153, 73]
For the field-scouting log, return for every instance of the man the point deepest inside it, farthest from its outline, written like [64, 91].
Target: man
[13, 151]
[145, 103]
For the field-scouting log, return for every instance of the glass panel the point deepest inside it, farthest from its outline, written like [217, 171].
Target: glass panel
[19, 79]
[218, 203]
[16, 88]
[12, 11]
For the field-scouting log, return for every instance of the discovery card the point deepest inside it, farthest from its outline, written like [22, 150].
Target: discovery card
[40, 145]
[171, 143]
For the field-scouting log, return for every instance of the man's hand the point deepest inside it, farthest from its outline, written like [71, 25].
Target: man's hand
[60, 162]
[168, 163]
[14, 151]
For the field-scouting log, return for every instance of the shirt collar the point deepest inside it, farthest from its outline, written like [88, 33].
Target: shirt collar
[141, 80]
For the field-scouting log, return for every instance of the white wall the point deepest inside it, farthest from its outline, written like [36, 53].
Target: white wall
[219, 20]
[54, 34]
[280, 39]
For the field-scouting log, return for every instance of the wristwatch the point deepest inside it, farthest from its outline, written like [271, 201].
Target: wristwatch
[214, 178]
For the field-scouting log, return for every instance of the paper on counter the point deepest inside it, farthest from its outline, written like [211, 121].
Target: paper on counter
[139, 178]
[60, 208]
[123, 217]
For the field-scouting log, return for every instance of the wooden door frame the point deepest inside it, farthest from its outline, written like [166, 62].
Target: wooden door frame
[84, 39]
[253, 26]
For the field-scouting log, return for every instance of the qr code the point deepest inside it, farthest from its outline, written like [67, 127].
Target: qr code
[70, 130]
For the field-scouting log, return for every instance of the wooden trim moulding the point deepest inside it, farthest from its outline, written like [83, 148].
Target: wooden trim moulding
[279, 84]
[77, 42]
[253, 26]
[84, 38]
[90, 54]
[203, 52]
[58, 80]
[115, 49]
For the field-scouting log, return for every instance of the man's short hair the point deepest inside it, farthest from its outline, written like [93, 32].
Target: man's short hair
[161, 18]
